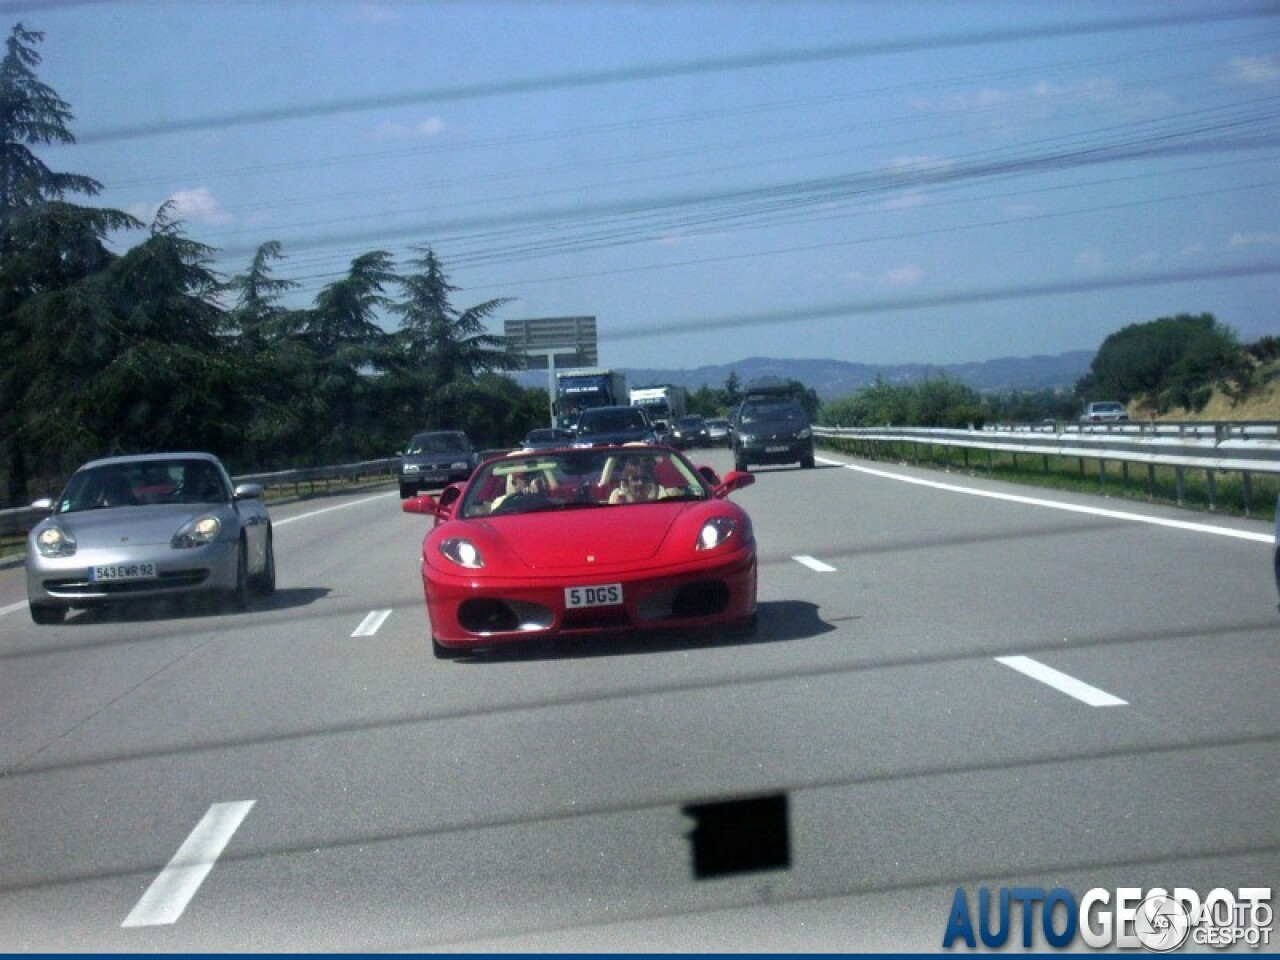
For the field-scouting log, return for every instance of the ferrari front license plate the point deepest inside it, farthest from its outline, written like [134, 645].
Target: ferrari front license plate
[605, 595]
[123, 571]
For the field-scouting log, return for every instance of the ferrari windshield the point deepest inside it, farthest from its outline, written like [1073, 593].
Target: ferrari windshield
[567, 479]
[143, 482]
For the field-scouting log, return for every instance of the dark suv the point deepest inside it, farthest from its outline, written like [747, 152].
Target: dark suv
[771, 429]
[435, 459]
[602, 426]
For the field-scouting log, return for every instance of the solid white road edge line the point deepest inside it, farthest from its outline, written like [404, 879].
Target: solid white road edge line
[1062, 682]
[13, 608]
[178, 882]
[814, 564]
[1056, 505]
[370, 624]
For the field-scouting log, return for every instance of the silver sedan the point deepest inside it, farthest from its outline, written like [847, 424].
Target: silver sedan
[146, 526]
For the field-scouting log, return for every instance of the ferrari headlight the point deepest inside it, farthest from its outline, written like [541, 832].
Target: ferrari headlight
[53, 541]
[197, 533]
[462, 552]
[715, 532]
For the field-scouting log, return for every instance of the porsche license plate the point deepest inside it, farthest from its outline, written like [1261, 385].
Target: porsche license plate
[604, 595]
[122, 571]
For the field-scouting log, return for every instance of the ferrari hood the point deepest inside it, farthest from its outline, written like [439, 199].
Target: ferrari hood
[604, 536]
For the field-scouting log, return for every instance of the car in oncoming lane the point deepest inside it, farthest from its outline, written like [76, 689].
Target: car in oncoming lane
[150, 525]
[1104, 411]
[433, 459]
[542, 544]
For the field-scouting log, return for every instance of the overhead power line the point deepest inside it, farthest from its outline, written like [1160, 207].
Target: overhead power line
[839, 311]
[586, 79]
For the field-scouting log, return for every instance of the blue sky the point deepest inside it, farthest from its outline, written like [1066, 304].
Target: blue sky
[881, 182]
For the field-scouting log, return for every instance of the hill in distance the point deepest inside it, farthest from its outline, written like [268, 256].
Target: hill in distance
[833, 379]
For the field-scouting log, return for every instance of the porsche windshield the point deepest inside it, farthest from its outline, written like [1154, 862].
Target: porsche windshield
[581, 478]
[143, 483]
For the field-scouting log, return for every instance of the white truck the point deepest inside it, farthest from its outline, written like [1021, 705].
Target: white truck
[664, 404]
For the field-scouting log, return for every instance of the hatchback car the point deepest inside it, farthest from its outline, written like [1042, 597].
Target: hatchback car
[146, 526]
[547, 438]
[719, 432]
[690, 431]
[772, 430]
[1104, 411]
[434, 459]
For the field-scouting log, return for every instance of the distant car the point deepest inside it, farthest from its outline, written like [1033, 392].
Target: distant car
[601, 426]
[434, 459]
[772, 430]
[545, 438]
[146, 526]
[688, 432]
[1104, 411]
[585, 541]
[719, 432]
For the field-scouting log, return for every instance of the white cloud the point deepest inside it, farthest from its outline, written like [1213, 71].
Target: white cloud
[375, 13]
[1254, 240]
[421, 130]
[198, 206]
[1090, 261]
[909, 275]
[1252, 71]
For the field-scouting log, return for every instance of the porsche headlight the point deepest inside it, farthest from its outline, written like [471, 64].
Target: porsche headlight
[462, 552]
[715, 532]
[53, 541]
[197, 533]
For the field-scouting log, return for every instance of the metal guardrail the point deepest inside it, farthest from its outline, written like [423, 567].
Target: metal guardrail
[306, 481]
[1247, 448]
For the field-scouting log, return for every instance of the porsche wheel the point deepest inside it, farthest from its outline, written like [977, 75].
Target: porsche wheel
[239, 596]
[266, 582]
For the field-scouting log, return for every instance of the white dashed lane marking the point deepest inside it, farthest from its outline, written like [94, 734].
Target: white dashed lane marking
[814, 564]
[371, 624]
[173, 889]
[1062, 682]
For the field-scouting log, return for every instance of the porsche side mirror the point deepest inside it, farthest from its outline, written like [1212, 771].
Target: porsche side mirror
[248, 491]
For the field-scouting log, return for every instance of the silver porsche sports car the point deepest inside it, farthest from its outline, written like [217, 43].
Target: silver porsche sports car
[145, 526]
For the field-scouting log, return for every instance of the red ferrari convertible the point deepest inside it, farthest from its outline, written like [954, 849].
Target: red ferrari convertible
[564, 542]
